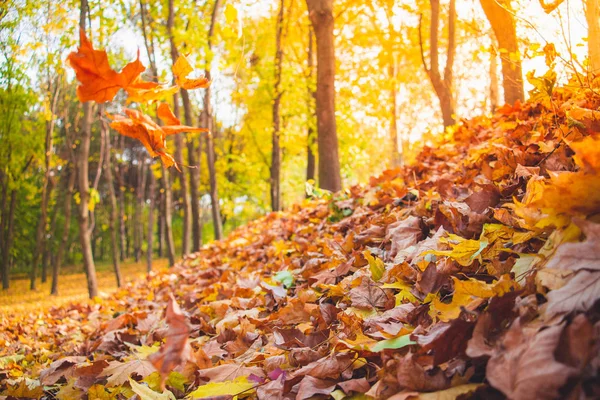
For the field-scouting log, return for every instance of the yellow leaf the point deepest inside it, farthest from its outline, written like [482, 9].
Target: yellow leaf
[181, 69]
[464, 252]
[375, 265]
[240, 386]
[451, 393]
[146, 393]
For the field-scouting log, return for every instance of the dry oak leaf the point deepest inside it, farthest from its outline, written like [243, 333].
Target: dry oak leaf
[581, 255]
[181, 69]
[176, 351]
[98, 81]
[310, 387]
[579, 294]
[141, 127]
[524, 366]
[119, 372]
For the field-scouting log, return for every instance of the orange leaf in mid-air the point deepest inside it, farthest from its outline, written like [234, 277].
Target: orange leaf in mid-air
[141, 91]
[181, 69]
[141, 127]
[99, 82]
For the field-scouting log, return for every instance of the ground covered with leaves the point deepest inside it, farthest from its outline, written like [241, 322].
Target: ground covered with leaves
[474, 273]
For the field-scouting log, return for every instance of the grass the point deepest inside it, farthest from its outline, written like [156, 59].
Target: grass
[72, 286]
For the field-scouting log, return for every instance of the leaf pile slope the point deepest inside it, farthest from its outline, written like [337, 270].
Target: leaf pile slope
[474, 273]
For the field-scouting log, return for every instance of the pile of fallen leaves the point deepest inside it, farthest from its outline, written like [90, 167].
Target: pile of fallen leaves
[474, 273]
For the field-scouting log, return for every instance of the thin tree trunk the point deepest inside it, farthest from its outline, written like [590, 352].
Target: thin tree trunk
[592, 15]
[504, 27]
[46, 189]
[493, 75]
[112, 219]
[395, 155]
[84, 185]
[65, 234]
[160, 223]
[194, 176]
[179, 143]
[310, 135]
[121, 204]
[441, 86]
[321, 17]
[152, 190]
[167, 215]
[138, 229]
[8, 237]
[276, 149]
[210, 145]
[46, 250]
[168, 212]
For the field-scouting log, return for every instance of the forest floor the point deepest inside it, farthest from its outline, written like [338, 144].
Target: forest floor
[72, 286]
[473, 273]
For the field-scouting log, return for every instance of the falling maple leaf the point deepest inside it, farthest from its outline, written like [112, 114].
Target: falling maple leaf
[98, 81]
[141, 127]
[181, 69]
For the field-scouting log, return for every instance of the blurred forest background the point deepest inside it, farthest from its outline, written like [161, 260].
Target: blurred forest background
[404, 71]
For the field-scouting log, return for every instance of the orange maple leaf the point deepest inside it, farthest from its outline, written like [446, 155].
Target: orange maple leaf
[181, 69]
[141, 127]
[98, 81]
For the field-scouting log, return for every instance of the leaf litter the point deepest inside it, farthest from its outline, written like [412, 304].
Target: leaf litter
[474, 273]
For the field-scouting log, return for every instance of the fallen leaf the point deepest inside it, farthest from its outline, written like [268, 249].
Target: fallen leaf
[240, 386]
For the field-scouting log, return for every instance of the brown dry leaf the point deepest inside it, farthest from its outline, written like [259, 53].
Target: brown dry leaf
[524, 366]
[579, 294]
[63, 368]
[119, 372]
[176, 351]
[310, 387]
[228, 372]
[582, 255]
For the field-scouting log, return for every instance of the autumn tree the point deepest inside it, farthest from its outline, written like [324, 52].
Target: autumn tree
[503, 24]
[442, 84]
[320, 13]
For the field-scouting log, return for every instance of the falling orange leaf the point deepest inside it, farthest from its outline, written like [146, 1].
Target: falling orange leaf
[141, 127]
[181, 69]
[98, 81]
[141, 91]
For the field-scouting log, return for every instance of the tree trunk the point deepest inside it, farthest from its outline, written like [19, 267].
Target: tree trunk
[161, 223]
[493, 75]
[592, 15]
[276, 149]
[395, 155]
[310, 135]
[504, 27]
[321, 16]
[179, 142]
[138, 229]
[121, 203]
[210, 144]
[112, 218]
[46, 189]
[152, 190]
[47, 244]
[168, 216]
[8, 239]
[65, 234]
[84, 185]
[168, 212]
[441, 86]
[194, 175]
